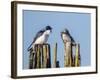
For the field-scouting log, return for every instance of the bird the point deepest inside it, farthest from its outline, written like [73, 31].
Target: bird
[66, 36]
[40, 38]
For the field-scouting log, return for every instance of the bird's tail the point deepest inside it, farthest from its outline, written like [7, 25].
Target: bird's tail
[31, 49]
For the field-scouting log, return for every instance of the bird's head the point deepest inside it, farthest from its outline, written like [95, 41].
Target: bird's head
[65, 31]
[48, 28]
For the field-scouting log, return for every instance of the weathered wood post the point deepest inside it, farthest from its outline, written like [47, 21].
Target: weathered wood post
[32, 58]
[71, 60]
[44, 56]
[68, 54]
[77, 56]
[31, 63]
[55, 56]
[48, 57]
[65, 56]
[41, 58]
[38, 56]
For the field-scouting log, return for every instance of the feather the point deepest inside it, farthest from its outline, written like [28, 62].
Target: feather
[37, 35]
[67, 35]
[71, 37]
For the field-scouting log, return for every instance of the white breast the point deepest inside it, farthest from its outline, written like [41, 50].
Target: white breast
[66, 38]
[43, 39]
[40, 40]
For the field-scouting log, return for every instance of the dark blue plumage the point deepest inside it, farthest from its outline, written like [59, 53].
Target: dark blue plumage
[66, 37]
[41, 36]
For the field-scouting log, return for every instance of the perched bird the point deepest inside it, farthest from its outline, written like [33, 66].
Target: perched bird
[66, 37]
[41, 37]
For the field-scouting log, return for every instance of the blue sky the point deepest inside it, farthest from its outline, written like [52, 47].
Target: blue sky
[78, 25]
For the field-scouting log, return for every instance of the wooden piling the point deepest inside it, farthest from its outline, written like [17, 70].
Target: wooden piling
[55, 56]
[65, 56]
[48, 57]
[77, 56]
[30, 61]
[41, 58]
[68, 54]
[38, 57]
[32, 57]
[44, 56]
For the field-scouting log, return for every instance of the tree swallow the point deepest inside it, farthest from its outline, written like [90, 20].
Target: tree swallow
[66, 37]
[41, 37]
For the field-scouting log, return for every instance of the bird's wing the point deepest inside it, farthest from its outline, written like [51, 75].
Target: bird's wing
[61, 36]
[72, 39]
[37, 35]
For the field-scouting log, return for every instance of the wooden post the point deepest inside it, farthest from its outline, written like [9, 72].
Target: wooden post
[48, 57]
[65, 56]
[73, 54]
[77, 56]
[38, 57]
[32, 58]
[44, 56]
[41, 58]
[68, 55]
[55, 56]
[31, 61]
